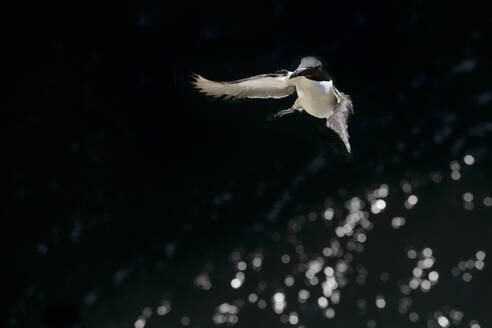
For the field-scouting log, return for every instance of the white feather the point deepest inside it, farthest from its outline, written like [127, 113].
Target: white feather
[316, 97]
[275, 85]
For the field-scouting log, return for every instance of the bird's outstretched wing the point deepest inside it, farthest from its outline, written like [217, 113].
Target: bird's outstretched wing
[338, 120]
[275, 85]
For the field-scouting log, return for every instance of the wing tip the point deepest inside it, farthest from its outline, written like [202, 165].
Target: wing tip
[195, 78]
[199, 82]
[207, 87]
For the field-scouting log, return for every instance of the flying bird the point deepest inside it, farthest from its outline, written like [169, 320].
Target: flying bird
[316, 93]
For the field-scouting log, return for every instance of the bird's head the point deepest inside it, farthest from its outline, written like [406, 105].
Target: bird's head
[308, 66]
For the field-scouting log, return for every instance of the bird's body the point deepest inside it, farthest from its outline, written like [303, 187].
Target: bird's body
[316, 93]
[316, 97]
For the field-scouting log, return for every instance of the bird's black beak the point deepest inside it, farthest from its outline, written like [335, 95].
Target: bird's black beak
[301, 72]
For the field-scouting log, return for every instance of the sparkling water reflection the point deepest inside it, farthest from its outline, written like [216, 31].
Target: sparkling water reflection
[302, 275]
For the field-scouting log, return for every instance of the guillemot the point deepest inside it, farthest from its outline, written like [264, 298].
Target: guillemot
[316, 93]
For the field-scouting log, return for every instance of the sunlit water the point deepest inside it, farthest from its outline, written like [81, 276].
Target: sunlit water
[371, 258]
[317, 269]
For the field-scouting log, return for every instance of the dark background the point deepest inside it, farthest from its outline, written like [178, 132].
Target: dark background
[124, 184]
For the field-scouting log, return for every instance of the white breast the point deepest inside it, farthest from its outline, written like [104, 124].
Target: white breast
[316, 98]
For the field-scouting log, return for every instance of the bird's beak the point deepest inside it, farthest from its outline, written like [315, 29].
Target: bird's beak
[301, 71]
